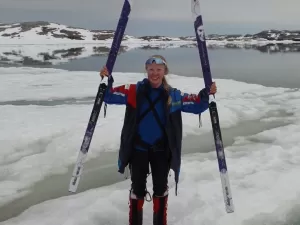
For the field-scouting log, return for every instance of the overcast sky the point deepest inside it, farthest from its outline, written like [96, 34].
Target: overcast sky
[158, 16]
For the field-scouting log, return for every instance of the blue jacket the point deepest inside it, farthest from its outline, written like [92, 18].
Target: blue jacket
[130, 95]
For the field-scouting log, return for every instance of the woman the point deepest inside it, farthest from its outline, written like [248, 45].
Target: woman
[152, 133]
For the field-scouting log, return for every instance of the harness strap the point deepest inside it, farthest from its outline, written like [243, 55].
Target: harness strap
[152, 107]
[160, 143]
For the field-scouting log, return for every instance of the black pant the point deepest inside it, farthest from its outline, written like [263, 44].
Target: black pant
[160, 167]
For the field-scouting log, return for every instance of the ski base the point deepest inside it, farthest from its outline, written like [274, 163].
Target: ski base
[87, 138]
[221, 157]
[115, 46]
[77, 172]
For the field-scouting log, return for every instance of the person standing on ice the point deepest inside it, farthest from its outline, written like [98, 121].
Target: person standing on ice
[152, 133]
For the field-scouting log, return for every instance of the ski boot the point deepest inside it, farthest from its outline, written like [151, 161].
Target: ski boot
[160, 209]
[135, 209]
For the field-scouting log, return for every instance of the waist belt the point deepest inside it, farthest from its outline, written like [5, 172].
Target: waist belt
[160, 144]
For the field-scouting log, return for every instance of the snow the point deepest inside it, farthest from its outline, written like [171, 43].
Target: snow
[43, 116]
[32, 37]
[13, 30]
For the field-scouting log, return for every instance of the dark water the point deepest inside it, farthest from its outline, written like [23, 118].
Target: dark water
[280, 69]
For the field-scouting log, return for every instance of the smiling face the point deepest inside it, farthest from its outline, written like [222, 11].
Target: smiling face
[156, 74]
[156, 68]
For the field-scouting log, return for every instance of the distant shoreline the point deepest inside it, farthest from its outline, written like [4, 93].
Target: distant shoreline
[41, 32]
[43, 43]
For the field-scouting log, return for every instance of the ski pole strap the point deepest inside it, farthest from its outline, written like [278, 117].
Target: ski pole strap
[110, 81]
[105, 109]
[109, 86]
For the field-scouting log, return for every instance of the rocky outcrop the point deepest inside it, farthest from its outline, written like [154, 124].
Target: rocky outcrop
[58, 31]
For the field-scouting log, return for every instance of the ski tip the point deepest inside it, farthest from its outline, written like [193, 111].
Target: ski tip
[74, 184]
[72, 189]
[229, 210]
[229, 207]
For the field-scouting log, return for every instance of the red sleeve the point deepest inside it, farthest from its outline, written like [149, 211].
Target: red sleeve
[131, 99]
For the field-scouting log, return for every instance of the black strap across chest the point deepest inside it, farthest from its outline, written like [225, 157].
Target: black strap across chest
[152, 108]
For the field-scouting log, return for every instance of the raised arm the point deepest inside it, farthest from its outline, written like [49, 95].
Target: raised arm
[118, 95]
[196, 103]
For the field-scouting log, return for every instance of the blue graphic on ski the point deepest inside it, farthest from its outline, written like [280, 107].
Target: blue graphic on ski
[202, 48]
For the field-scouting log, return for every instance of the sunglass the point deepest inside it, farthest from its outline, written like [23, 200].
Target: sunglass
[156, 60]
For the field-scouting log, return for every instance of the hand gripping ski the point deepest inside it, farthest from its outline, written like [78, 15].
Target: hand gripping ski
[100, 96]
[200, 36]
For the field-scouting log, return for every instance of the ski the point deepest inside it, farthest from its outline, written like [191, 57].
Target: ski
[118, 37]
[202, 48]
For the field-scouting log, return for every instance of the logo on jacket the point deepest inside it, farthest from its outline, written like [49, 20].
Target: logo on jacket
[191, 98]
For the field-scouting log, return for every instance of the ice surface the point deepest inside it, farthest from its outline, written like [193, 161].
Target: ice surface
[263, 172]
[43, 116]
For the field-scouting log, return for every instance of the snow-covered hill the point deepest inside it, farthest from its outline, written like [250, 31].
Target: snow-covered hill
[45, 32]
[52, 33]
[44, 43]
